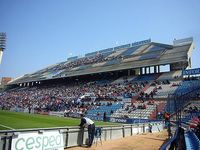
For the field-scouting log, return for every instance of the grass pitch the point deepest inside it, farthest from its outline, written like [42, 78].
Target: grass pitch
[17, 120]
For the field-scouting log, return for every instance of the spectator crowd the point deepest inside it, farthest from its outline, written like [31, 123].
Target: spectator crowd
[72, 98]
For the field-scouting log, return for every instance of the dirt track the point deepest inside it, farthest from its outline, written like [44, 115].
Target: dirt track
[149, 141]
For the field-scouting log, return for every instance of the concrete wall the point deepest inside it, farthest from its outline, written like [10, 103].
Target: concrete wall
[74, 136]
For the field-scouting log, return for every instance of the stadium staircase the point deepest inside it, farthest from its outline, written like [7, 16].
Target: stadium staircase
[142, 90]
[146, 86]
[160, 108]
[188, 88]
[97, 113]
[192, 141]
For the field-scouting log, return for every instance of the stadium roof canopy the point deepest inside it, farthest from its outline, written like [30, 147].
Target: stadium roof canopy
[130, 56]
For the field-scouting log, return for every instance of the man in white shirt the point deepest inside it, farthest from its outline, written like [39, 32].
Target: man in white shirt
[87, 122]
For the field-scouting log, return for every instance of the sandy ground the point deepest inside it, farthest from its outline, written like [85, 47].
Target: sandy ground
[148, 141]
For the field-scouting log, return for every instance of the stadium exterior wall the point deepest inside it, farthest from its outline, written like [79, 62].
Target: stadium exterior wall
[74, 136]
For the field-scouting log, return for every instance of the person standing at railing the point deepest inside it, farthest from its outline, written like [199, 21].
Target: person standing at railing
[166, 117]
[198, 130]
[87, 122]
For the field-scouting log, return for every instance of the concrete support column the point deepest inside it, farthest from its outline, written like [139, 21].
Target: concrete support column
[129, 72]
[158, 68]
[154, 69]
[141, 71]
[145, 70]
[117, 74]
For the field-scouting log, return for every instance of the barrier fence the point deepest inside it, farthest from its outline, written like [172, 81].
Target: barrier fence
[59, 138]
[108, 119]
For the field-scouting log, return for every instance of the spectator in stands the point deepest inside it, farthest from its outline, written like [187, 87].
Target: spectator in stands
[194, 122]
[111, 112]
[198, 129]
[197, 95]
[167, 119]
[104, 117]
[125, 116]
[169, 130]
[98, 116]
[151, 94]
[150, 128]
[87, 122]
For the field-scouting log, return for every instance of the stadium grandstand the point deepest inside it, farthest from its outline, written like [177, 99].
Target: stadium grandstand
[144, 57]
[141, 82]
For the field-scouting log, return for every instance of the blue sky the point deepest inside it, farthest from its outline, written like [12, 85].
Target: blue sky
[45, 32]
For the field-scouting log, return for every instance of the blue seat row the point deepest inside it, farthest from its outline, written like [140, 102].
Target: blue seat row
[192, 141]
[93, 113]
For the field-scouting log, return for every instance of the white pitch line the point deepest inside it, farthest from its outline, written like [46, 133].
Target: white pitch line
[7, 127]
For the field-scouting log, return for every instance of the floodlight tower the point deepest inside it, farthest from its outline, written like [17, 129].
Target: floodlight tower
[2, 44]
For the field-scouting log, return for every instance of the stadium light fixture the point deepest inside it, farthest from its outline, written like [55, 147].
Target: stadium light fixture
[2, 40]
[2, 44]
